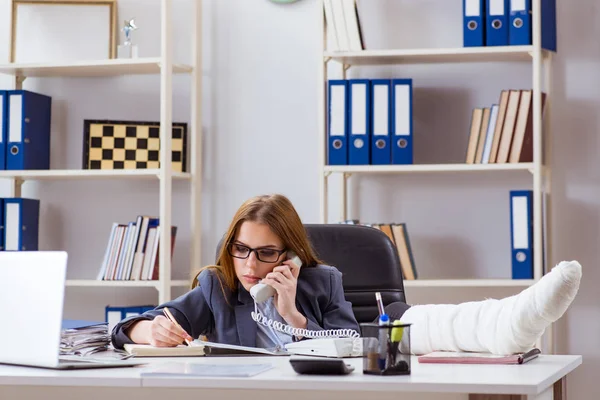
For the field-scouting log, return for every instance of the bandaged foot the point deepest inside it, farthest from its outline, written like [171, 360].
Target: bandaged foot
[505, 326]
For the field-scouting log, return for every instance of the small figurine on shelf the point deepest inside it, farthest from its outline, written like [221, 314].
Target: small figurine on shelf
[128, 50]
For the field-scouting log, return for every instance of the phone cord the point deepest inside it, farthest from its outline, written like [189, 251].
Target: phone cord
[290, 330]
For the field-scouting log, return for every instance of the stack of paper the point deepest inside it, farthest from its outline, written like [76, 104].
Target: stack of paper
[83, 337]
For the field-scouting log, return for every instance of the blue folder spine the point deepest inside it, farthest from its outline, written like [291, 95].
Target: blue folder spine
[381, 121]
[359, 124]
[521, 238]
[125, 312]
[3, 127]
[24, 235]
[337, 125]
[519, 31]
[497, 21]
[549, 24]
[402, 121]
[29, 150]
[473, 23]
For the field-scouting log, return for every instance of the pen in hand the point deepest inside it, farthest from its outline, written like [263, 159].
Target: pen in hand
[172, 319]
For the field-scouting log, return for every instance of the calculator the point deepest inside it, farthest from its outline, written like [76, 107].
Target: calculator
[321, 366]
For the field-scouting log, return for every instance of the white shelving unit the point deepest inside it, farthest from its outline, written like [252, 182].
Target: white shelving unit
[89, 174]
[165, 67]
[462, 283]
[539, 170]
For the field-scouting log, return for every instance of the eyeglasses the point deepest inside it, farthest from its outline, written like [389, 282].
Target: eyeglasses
[265, 254]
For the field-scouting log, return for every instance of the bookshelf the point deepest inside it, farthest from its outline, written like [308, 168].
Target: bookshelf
[93, 69]
[397, 169]
[89, 174]
[165, 67]
[423, 56]
[538, 170]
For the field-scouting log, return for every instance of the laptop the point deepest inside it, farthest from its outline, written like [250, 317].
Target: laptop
[32, 289]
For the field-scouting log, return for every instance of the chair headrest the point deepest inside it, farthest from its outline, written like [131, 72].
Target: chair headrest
[366, 256]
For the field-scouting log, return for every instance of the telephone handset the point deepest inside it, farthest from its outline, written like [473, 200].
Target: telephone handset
[261, 291]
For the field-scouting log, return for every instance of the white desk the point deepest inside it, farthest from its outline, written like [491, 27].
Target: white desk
[534, 379]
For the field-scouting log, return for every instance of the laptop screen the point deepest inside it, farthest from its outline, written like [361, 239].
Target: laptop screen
[32, 288]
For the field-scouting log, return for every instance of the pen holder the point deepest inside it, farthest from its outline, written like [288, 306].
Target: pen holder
[386, 349]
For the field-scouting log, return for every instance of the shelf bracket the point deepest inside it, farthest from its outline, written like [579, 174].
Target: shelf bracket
[347, 175]
[16, 187]
[327, 174]
[19, 79]
[326, 59]
[347, 67]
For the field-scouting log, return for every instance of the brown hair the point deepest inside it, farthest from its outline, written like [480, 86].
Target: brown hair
[279, 214]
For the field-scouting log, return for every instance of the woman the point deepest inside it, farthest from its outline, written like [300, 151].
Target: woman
[256, 247]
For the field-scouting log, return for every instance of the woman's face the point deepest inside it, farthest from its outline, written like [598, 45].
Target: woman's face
[257, 236]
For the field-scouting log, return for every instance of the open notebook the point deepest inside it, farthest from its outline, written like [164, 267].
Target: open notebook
[198, 348]
[449, 357]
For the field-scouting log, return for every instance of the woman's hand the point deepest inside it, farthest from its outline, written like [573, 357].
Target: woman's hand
[284, 279]
[160, 332]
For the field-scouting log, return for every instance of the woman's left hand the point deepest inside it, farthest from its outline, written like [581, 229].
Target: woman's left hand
[284, 279]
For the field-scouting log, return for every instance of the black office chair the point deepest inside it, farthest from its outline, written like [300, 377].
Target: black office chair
[367, 259]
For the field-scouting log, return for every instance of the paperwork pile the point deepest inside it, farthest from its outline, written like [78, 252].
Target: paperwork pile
[83, 338]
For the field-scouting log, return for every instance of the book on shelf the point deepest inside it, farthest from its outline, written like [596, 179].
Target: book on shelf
[343, 24]
[398, 234]
[503, 132]
[133, 249]
[451, 357]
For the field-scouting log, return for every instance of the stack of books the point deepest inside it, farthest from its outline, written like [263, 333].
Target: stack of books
[343, 25]
[82, 338]
[503, 132]
[132, 250]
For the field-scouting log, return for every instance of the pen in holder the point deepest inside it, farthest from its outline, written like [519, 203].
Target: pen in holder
[386, 348]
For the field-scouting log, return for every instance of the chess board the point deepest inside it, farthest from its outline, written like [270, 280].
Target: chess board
[131, 145]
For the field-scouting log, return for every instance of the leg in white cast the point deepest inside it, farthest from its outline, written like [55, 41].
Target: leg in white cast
[504, 326]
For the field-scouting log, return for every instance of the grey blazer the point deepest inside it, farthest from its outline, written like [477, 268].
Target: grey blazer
[225, 318]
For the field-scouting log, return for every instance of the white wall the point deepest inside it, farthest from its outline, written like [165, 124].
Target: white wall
[260, 127]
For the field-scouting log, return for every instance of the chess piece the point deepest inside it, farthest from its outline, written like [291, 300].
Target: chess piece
[127, 49]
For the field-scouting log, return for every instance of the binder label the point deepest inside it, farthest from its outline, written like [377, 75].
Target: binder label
[496, 7]
[11, 226]
[402, 110]
[472, 8]
[517, 5]
[359, 105]
[15, 119]
[520, 224]
[380, 111]
[337, 111]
